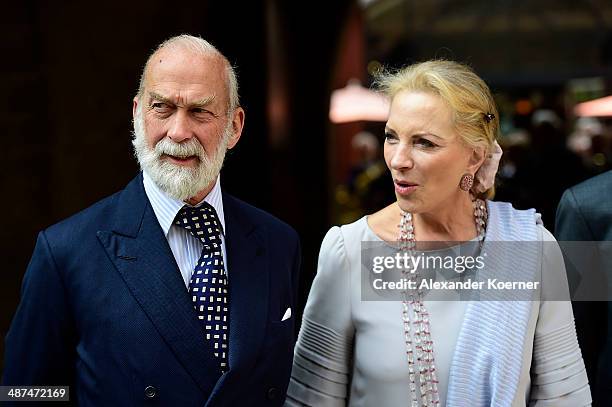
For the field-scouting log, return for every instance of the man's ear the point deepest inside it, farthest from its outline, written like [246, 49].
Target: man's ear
[237, 126]
[477, 157]
[134, 106]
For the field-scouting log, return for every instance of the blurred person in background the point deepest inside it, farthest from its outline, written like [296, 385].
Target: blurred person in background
[367, 185]
[592, 143]
[544, 168]
[441, 149]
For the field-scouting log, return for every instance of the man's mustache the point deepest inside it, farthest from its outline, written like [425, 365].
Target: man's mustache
[187, 149]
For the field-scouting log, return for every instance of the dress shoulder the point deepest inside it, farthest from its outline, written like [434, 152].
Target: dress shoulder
[323, 354]
[329, 299]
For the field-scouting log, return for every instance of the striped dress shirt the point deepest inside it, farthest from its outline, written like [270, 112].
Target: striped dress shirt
[185, 248]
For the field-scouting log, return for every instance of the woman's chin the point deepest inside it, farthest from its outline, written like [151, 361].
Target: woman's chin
[407, 204]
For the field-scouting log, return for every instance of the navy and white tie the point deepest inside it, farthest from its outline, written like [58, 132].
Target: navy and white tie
[208, 284]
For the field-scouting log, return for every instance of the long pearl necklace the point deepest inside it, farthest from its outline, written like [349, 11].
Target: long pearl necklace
[420, 352]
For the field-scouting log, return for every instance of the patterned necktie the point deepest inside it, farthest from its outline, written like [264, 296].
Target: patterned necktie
[208, 284]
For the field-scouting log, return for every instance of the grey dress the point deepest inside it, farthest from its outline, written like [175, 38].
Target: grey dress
[352, 352]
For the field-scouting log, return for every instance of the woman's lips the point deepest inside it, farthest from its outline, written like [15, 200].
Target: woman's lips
[404, 187]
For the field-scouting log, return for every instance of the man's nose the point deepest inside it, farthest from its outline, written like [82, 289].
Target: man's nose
[402, 158]
[180, 127]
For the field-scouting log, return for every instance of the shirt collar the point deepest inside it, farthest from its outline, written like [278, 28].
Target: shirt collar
[166, 207]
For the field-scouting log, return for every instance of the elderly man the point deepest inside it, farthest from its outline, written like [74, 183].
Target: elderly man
[169, 291]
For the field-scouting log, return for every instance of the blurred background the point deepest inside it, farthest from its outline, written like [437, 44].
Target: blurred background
[311, 149]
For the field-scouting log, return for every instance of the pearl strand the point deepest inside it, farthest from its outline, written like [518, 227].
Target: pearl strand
[422, 347]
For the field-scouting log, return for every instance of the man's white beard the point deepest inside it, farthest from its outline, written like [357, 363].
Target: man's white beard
[175, 180]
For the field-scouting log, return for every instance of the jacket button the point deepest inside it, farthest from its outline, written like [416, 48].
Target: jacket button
[272, 393]
[150, 392]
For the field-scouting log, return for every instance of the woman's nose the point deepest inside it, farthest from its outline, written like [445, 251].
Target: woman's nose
[401, 158]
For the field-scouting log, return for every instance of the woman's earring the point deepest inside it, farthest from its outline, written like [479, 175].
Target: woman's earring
[467, 181]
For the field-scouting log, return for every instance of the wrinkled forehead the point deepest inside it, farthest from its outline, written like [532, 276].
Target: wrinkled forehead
[179, 69]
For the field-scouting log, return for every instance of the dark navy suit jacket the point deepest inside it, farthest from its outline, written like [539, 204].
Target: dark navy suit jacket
[585, 213]
[105, 310]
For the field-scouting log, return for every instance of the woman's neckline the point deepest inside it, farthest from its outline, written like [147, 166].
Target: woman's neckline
[391, 243]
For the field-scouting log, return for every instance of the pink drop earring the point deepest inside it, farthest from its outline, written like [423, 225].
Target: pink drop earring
[467, 181]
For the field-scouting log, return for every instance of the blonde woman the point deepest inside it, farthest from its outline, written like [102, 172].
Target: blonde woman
[441, 149]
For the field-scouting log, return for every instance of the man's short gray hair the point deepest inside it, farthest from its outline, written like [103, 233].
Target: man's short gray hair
[200, 46]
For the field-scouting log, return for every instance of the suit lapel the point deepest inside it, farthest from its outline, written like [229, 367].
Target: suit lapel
[248, 279]
[140, 252]
[248, 285]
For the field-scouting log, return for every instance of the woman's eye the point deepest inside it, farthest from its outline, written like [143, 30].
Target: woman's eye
[425, 143]
[389, 137]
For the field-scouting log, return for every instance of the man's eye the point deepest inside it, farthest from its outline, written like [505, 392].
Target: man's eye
[160, 106]
[201, 112]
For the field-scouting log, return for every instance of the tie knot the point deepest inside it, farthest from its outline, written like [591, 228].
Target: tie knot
[202, 222]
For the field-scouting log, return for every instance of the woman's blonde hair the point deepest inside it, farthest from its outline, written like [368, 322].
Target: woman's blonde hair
[474, 112]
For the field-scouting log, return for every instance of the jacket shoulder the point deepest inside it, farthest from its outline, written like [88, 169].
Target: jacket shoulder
[594, 189]
[98, 216]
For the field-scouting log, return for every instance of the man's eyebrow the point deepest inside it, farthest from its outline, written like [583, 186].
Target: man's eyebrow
[157, 96]
[203, 102]
[198, 103]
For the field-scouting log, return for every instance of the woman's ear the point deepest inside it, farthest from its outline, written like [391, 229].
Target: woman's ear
[477, 157]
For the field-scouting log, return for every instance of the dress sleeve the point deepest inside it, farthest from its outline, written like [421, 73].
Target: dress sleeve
[322, 361]
[574, 223]
[558, 374]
